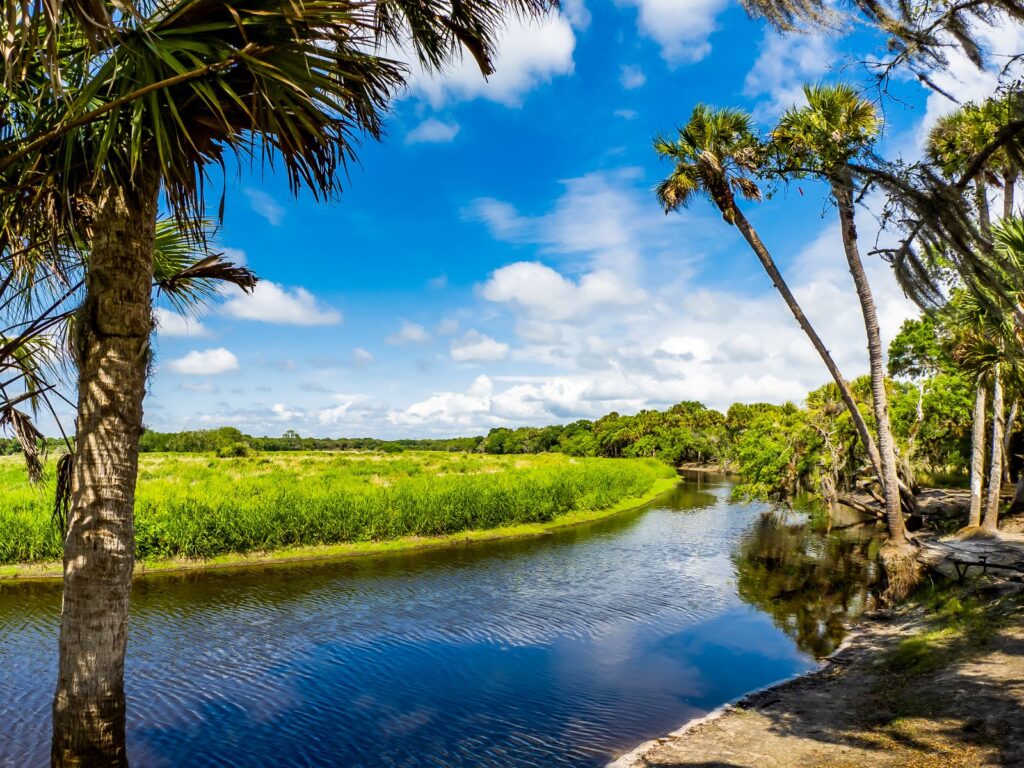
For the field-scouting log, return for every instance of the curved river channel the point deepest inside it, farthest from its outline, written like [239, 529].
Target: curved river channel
[556, 651]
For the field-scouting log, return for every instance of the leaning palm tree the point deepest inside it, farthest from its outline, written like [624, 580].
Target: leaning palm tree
[823, 138]
[117, 105]
[715, 156]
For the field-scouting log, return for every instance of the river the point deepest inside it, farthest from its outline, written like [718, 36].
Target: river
[556, 651]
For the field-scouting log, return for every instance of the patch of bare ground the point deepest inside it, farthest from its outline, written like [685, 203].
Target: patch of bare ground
[938, 685]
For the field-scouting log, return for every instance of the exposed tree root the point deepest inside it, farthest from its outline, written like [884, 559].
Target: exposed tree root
[903, 571]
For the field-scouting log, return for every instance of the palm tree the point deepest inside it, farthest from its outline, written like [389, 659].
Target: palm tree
[988, 344]
[952, 145]
[715, 155]
[146, 100]
[836, 127]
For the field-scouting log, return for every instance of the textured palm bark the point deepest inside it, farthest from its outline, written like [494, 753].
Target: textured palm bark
[1011, 422]
[995, 475]
[759, 249]
[978, 457]
[112, 346]
[1009, 186]
[981, 200]
[842, 189]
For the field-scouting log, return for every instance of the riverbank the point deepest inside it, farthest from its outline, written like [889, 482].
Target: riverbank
[938, 685]
[54, 570]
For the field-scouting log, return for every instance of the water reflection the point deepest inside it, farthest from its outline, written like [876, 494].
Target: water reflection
[555, 651]
[812, 582]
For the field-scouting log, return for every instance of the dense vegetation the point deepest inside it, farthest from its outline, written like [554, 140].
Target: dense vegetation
[777, 450]
[192, 506]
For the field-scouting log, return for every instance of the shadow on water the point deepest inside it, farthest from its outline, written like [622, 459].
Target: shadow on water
[554, 651]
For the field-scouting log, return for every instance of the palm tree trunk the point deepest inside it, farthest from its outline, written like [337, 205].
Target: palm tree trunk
[112, 346]
[1007, 438]
[759, 249]
[842, 189]
[981, 200]
[1009, 183]
[995, 475]
[977, 457]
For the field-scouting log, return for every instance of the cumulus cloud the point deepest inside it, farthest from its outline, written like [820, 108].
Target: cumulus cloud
[266, 206]
[530, 53]
[542, 291]
[409, 333]
[474, 346]
[682, 29]
[208, 362]
[274, 303]
[432, 131]
[172, 324]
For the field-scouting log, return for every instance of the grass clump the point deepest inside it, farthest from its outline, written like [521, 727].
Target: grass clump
[193, 507]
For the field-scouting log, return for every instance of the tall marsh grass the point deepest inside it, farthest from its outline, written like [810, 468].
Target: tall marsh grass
[190, 505]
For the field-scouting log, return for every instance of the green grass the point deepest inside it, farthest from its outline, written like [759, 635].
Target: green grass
[196, 506]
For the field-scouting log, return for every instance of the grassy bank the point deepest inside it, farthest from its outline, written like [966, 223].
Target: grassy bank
[192, 507]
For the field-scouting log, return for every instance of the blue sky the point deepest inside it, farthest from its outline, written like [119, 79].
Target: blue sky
[499, 259]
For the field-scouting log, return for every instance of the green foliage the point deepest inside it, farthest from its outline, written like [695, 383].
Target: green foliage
[187, 506]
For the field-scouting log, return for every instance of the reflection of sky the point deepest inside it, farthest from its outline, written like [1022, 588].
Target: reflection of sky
[550, 652]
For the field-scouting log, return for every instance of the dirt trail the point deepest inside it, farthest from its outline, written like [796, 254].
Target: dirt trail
[913, 689]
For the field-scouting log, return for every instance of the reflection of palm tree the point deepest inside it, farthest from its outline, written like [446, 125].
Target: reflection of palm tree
[835, 127]
[714, 156]
[811, 584]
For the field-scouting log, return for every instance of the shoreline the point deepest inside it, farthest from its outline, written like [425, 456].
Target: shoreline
[905, 686]
[53, 570]
[638, 756]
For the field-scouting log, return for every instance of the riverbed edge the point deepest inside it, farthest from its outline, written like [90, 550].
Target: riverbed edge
[22, 572]
[637, 757]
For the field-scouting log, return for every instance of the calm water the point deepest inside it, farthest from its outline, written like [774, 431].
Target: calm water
[559, 651]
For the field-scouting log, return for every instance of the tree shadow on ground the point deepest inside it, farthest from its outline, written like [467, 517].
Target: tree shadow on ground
[947, 692]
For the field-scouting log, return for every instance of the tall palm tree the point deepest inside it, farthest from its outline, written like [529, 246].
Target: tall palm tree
[952, 145]
[111, 108]
[715, 156]
[988, 345]
[822, 138]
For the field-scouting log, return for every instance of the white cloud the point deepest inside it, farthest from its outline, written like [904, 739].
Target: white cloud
[632, 77]
[235, 255]
[785, 63]
[576, 12]
[542, 291]
[361, 357]
[438, 283]
[209, 362]
[432, 131]
[172, 324]
[409, 333]
[626, 114]
[681, 29]
[476, 347]
[265, 206]
[447, 327]
[743, 348]
[608, 217]
[530, 53]
[274, 303]
[283, 413]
